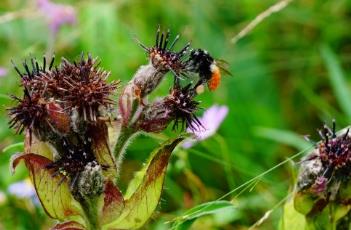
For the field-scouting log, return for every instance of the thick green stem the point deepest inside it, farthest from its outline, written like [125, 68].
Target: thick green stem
[122, 142]
[90, 208]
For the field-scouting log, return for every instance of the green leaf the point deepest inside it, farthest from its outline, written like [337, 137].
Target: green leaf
[292, 219]
[283, 136]
[213, 207]
[145, 190]
[337, 79]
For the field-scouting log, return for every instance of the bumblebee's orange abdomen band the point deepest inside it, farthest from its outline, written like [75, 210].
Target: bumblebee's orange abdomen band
[215, 79]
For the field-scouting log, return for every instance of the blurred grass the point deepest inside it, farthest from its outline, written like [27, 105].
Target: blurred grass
[283, 82]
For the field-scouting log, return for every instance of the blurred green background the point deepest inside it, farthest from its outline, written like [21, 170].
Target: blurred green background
[290, 75]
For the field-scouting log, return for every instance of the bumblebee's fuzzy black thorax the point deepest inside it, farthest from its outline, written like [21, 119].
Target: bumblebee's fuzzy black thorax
[200, 62]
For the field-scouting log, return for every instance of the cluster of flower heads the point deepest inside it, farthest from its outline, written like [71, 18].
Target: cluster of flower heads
[63, 105]
[52, 95]
[180, 106]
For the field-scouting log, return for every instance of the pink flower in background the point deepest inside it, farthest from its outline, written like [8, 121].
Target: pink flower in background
[57, 14]
[22, 189]
[3, 72]
[211, 120]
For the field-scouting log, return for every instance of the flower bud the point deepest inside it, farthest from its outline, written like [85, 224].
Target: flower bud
[91, 181]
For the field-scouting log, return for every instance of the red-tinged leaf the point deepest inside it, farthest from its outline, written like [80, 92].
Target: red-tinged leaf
[113, 203]
[33, 145]
[53, 191]
[70, 225]
[144, 192]
[100, 145]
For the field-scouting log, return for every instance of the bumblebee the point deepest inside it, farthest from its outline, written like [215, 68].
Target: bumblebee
[209, 69]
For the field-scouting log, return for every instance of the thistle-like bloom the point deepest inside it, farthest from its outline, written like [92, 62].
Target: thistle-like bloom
[325, 173]
[57, 15]
[162, 55]
[211, 120]
[179, 106]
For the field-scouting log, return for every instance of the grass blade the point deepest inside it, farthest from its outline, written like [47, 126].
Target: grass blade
[337, 80]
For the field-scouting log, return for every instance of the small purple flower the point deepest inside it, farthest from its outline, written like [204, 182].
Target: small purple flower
[22, 189]
[57, 14]
[3, 72]
[211, 120]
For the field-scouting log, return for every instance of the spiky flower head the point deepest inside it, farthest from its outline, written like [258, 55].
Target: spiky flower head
[83, 86]
[179, 106]
[324, 177]
[184, 106]
[335, 151]
[31, 111]
[162, 55]
[62, 106]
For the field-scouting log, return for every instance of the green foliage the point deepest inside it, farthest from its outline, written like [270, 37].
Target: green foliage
[283, 81]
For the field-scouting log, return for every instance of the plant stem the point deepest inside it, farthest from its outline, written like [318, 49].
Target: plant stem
[90, 207]
[122, 142]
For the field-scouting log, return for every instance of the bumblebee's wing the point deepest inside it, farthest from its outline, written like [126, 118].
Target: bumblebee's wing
[223, 66]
